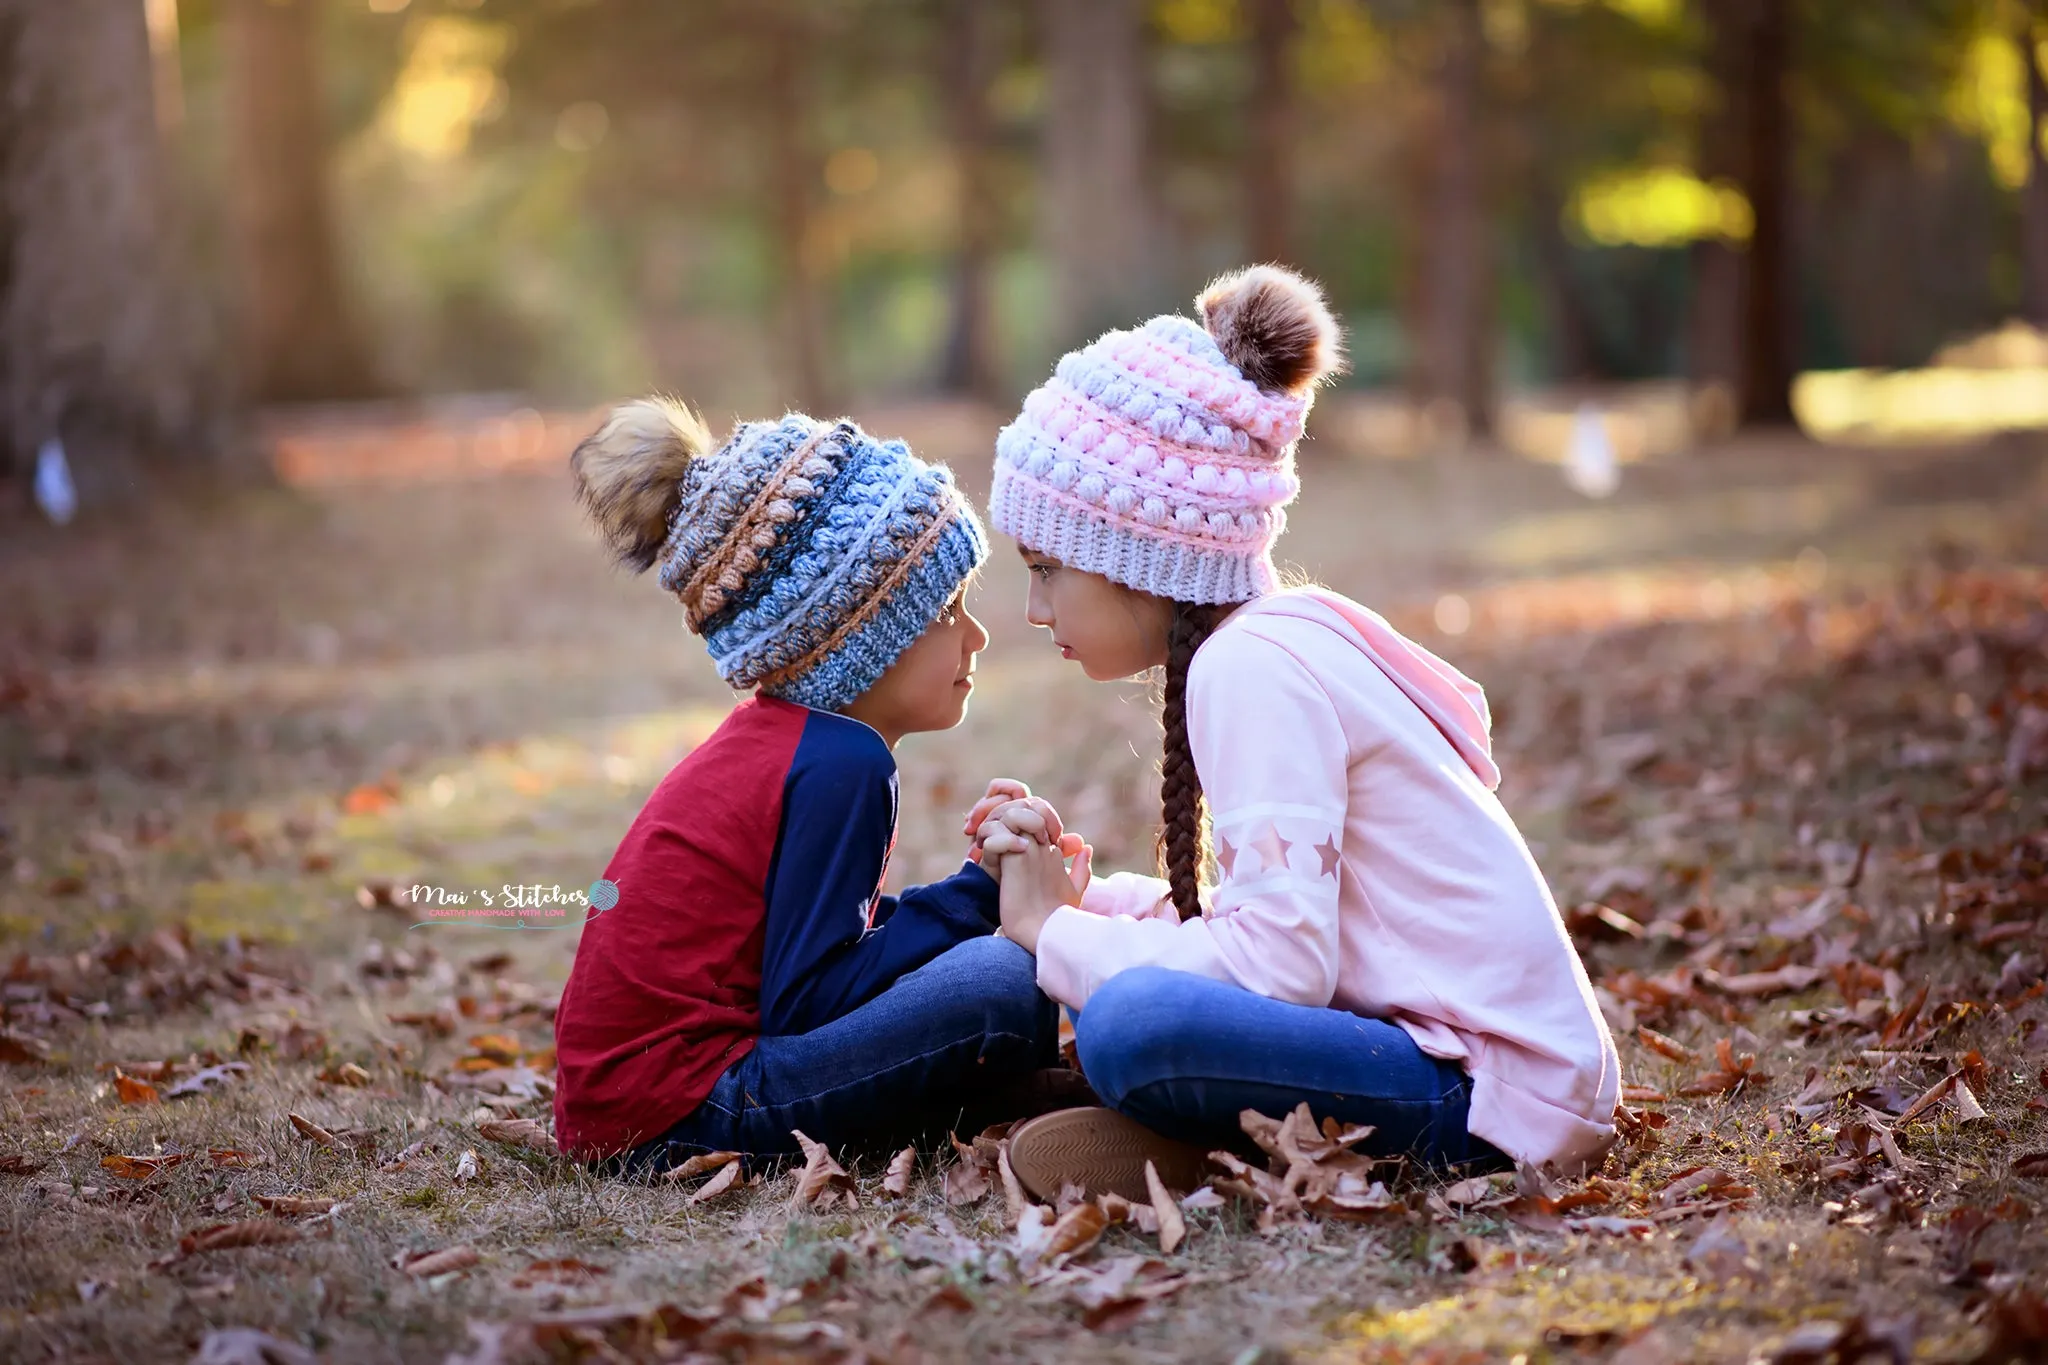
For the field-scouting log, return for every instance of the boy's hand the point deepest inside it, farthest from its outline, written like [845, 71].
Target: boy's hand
[1001, 792]
[1036, 882]
[1035, 817]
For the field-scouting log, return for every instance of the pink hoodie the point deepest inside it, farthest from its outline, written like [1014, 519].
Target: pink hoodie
[1367, 865]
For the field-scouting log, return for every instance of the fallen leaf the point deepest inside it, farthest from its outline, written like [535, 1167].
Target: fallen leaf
[1708, 1180]
[423, 1265]
[1014, 1198]
[247, 1346]
[1784, 979]
[2032, 1165]
[502, 1049]
[948, 1296]
[233, 1236]
[699, 1164]
[1475, 1190]
[1855, 1339]
[21, 1049]
[1735, 1072]
[527, 1133]
[2018, 1319]
[728, 1176]
[1033, 1233]
[348, 1074]
[896, 1184]
[232, 1157]
[312, 1131]
[465, 1166]
[20, 1164]
[1075, 1232]
[1932, 1096]
[1172, 1227]
[1968, 1110]
[824, 1183]
[133, 1091]
[204, 1079]
[293, 1206]
[367, 800]
[1118, 1295]
[1611, 1226]
[1662, 1045]
[141, 1167]
[567, 1271]
[965, 1183]
[1719, 1252]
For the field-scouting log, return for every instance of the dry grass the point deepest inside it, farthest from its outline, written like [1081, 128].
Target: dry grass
[1710, 695]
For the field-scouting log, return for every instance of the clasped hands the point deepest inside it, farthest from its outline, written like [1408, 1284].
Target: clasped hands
[1018, 840]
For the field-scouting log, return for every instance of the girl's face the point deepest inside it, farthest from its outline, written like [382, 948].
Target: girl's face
[1110, 630]
[928, 686]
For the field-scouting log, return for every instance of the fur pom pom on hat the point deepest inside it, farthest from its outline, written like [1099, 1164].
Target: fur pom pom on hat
[1163, 457]
[808, 555]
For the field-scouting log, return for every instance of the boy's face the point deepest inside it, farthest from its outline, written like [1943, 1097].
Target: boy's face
[1107, 628]
[928, 686]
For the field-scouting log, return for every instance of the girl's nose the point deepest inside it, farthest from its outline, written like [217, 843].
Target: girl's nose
[1037, 610]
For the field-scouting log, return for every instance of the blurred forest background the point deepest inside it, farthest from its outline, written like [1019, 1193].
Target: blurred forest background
[210, 205]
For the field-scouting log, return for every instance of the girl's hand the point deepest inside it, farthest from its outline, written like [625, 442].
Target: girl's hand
[1036, 882]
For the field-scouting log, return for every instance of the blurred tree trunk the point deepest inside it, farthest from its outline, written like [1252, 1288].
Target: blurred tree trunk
[102, 343]
[2034, 209]
[298, 340]
[1269, 142]
[1097, 218]
[1574, 359]
[1452, 352]
[1718, 266]
[793, 173]
[969, 365]
[1765, 393]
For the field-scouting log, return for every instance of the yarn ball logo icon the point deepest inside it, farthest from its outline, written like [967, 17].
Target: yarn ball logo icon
[604, 894]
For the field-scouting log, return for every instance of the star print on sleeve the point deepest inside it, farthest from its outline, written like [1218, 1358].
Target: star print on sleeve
[1226, 856]
[1272, 849]
[1327, 851]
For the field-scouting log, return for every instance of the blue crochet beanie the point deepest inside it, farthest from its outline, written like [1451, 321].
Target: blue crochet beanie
[807, 554]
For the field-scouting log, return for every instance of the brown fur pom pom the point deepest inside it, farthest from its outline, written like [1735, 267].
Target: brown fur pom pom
[1274, 326]
[629, 474]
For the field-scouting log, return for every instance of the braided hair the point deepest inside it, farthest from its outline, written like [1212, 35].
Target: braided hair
[1184, 834]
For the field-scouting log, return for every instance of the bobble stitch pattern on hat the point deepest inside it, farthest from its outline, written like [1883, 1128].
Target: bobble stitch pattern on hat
[1151, 458]
[810, 556]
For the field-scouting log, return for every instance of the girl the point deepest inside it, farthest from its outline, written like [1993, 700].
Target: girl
[752, 978]
[1380, 943]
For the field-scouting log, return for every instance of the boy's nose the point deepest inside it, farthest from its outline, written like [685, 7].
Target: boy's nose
[977, 635]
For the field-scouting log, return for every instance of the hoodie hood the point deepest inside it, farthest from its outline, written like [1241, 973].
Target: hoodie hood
[1453, 702]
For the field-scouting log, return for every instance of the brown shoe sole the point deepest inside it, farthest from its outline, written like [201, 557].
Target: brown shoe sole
[1104, 1153]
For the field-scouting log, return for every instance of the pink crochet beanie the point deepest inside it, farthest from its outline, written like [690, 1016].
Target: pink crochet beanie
[1162, 457]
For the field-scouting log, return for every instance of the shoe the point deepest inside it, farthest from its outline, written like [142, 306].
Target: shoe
[1104, 1153]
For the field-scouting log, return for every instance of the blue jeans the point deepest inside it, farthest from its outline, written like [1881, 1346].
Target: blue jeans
[1184, 1055]
[900, 1067]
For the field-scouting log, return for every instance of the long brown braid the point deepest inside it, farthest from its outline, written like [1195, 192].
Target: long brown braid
[1184, 838]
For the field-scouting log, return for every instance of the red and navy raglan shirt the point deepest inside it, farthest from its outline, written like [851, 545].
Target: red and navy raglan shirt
[749, 903]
